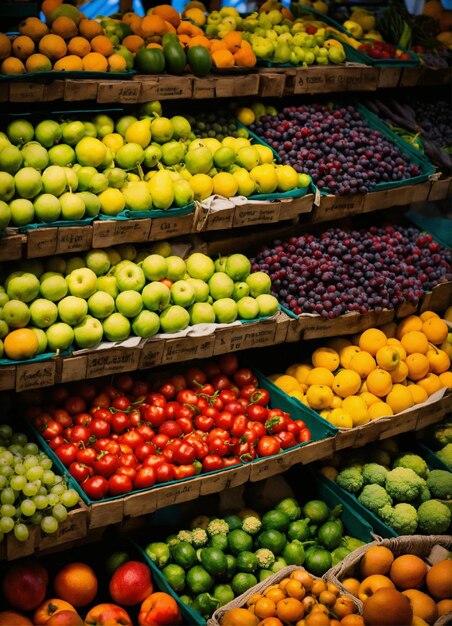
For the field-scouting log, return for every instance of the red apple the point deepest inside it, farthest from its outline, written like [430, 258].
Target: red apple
[25, 585]
[131, 583]
[107, 615]
[65, 618]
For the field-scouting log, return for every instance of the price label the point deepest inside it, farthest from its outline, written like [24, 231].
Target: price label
[114, 361]
[249, 215]
[26, 92]
[35, 375]
[127, 92]
[152, 353]
[74, 239]
[188, 348]
[41, 242]
[164, 227]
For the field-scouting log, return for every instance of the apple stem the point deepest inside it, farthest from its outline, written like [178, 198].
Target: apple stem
[140, 171]
[433, 347]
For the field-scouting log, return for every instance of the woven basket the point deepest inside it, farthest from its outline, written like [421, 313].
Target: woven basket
[240, 601]
[420, 545]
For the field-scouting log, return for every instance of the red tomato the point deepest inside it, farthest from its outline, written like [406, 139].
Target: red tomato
[204, 423]
[164, 472]
[201, 447]
[80, 433]
[257, 413]
[217, 403]
[244, 377]
[206, 390]
[87, 456]
[83, 419]
[95, 487]
[187, 397]
[131, 472]
[184, 411]
[260, 397]
[79, 471]
[212, 462]
[178, 381]
[102, 401]
[258, 429]
[247, 391]
[59, 394]
[153, 460]
[139, 388]
[230, 461]
[286, 439]
[276, 424]
[106, 464]
[131, 438]
[122, 403]
[99, 428]
[144, 450]
[221, 382]
[234, 407]
[239, 426]
[75, 405]
[67, 453]
[63, 417]
[55, 442]
[124, 382]
[211, 369]
[171, 410]
[160, 441]
[185, 454]
[107, 445]
[134, 418]
[156, 399]
[51, 429]
[119, 484]
[145, 431]
[168, 391]
[102, 414]
[145, 478]
[195, 377]
[185, 424]
[226, 395]
[305, 435]
[120, 422]
[184, 471]
[225, 419]
[86, 390]
[228, 364]
[128, 460]
[268, 446]
[171, 428]
[154, 415]
[218, 445]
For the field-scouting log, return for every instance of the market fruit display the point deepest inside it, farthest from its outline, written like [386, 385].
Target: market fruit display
[32, 493]
[297, 598]
[72, 169]
[340, 271]
[438, 437]
[377, 374]
[217, 559]
[336, 146]
[104, 296]
[384, 579]
[74, 593]
[114, 438]
[398, 487]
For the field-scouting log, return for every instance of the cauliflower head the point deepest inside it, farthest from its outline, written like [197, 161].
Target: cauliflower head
[414, 462]
[434, 517]
[217, 527]
[440, 484]
[403, 484]
[199, 537]
[402, 518]
[373, 473]
[185, 535]
[350, 479]
[445, 455]
[251, 524]
[374, 497]
[265, 558]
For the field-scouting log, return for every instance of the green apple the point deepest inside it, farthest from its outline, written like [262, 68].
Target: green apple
[129, 303]
[73, 132]
[101, 304]
[182, 293]
[226, 310]
[42, 339]
[10, 159]
[3, 297]
[92, 203]
[130, 276]
[35, 156]
[59, 336]
[248, 308]
[241, 290]
[4, 329]
[74, 263]
[5, 215]
[146, 324]
[34, 266]
[200, 288]
[162, 247]
[24, 287]
[88, 333]
[268, 305]
[259, 283]
[82, 282]
[62, 154]
[53, 288]
[156, 296]
[176, 268]
[116, 327]
[48, 133]
[127, 251]
[108, 284]
[84, 176]
[47, 207]
[72, 310]
[7, 186]
[55, 264]
[113, 256]
[16, 314]
[98, 261]
[43, 313]
[154, 267]
[220, 264]
[200, 266]
[202, 313]
[238, 267]
[54, 180]
[72, 206]
[221, 286]
[71, 177]
[22, 211]
[20, 131]
[174, 319]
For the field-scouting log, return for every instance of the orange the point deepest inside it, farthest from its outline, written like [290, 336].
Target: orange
[347, 353]
[418, 393]
[33, 28]
[408, 571]
[217, 44]
[167, 13]
[253, 599]
[430, 383]
[95, 62]
[418, 366]
[53, 46]
[352, 620]
[325, 358]
[133, 43]
[233, 39]
[414, 341]
[423, 605]
[295, 589]
[134, 21]
[438, 579]
[439, 360]
[239, 617]
[444, 607]
[76, 583]
[196, 15]
[23, 47]
[377, 560]
[223, 59]
[49, 5]
[362, 363]
[79, 46]
[399, 373]
[351, 585]
[412, 322]
[38, 63]
[396, 344]
[317, 619]
[11, 65]
[369, 398]
[320, 376]
[435, 329]
[379, 409]
[152, 25]
[399, 398]
[265, 607]
[371, 340]
[116, 63]
[387, 607]
[64, 27]
[12, 618]
[290, 610]
[70, 63]
[5, 46]
[379, 382]
[346, 383]
[446, 379]
[199, 40]
[275, 594]
[271, 621]
[426, 315]
[20, 344]
[102, 45]
[90, 29]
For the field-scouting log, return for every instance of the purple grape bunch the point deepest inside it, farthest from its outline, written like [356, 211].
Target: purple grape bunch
[340, 271]
[335, 146]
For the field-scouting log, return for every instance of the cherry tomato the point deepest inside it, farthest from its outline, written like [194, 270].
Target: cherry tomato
[221, 382]
[185, 424]
[228, 364]
[164, 472]
[217, 403]
[160, 441]
[185, 454]
[204, 423]
[260, 397]
[206, 390]
[83, 419]
[145, 478]
[201, 447]
[95, 487]
[258, 429]
[171, 410]
[67, 453]
[239, 426]
[124, 382]
[134, 418]
[286, 439]
[102, 414]
[184, 471]
[218, 445]
[123, 470]
[144, 450]
[55, 442]
[276, 424]
[244, 377]
[106, 464]
[250, 436]
[304, 435]
[119, 484]
[225, 420]
[247, 391]
[156, 399]
[153, 460]
[80, 433]
[75, 405]
[230, 461]
[268, 446]
[63, 417]
[212, 462]
[51, 429]
[170, 428]
[87, 456]
[195, 377]
[99, 428]
[226, 395]
[154, 415]
[79, 471]
[122, 403]
[257, 413]
[145, 431]
[128, 460]
[107, 445]
[131, 438]
[187, 397]
[168, 391]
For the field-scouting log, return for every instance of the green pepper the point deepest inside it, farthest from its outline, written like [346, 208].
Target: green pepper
[299, 529]
[318, 560]
[223, 593]
[186, 599]
[233, 521]
[279, 564]
[205, 604]
[219, 541]
[175, 575]
[231, 566]
[242, 582]
[338, 555]
[264, 573]
[198, 580]
[293, 553]
[330, 535]
[159, 553]
[351, 542]
[291, 507]
[214, 561]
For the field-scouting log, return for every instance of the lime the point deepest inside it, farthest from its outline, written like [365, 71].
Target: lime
[233, 521]
[175, 576]
[279, 564]
[299, 529]
[205, 604]
[330, 535]
[159, 553]
[186, 600]
[242, 582]
[214, 561]
[318, 561]
[290, 507]
[293, 553]
[219, 541]
[184, 554]
[246, 562]
[264, 573]
[223, 593]
[115, 560]
[198, 580]
[239, 541]
[317, 511]
[272, 539]
[338, 554]
[275, 519]
[231, 566]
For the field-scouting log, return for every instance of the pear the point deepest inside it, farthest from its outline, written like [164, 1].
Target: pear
[139, 132]
[137, 196]
[265, 178]
[183, 193]
[161, 188]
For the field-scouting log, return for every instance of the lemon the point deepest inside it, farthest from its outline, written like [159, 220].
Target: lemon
[246, 185]
[202, 186]
[369, 398]
[347, 353]
[357, 408]
[399, 398]
[139, 132]
[266, 156]
[212, 143]
[287, 383]
[113, 141]
[299, 371]
[379, 409]
[225, 184]
[346, 383]
[319, 396]
[161, 188]
[111, 201]
[90, 151]
[362, 363]
[320, 376]
[296, 393]
[246, 116]
[340, 418]
[325, 358]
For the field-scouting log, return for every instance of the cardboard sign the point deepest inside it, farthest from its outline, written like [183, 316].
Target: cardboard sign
[126, 92]
[324, 79]
[77, 90]
[250, 214]
[203, 88]
[41, 242]
[108, 233]
[164, 227]
[151, 353]
[112, 361]
[164, 87]
[35, 375]
[74, 239]
[11, 247]
[26, 92]
[272, 85]
[188, 348]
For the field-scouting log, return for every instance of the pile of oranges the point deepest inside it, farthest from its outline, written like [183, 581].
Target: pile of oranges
[381, 372]
[68, 41]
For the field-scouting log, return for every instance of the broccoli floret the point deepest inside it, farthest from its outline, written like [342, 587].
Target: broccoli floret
[445, 454]
[199, 537]
[402, 518]
[185, 535]
[217, 527]
[443, 433]
[374, 497]
[265, 558]
[422, 497]
[350, 479]
[251, 525]
[440, 484]
[434, 517]
[374, 474]
[414, 462]
[403, 484]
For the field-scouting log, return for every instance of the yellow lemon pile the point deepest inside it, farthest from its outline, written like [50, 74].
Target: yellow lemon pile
[381, 372]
